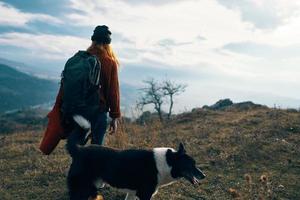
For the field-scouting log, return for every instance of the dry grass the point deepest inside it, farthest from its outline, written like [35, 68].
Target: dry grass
[252, 154]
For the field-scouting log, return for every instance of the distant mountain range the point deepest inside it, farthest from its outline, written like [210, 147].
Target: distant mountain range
[20, 90]
[40, 72]
[21, 87]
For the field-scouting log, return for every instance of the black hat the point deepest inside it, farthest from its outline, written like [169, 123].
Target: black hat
[101, 35]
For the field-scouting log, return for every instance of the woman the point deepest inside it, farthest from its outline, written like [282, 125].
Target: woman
[107, 91]
[109, 83]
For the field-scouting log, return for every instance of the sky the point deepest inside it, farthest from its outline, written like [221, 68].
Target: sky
[243, 50]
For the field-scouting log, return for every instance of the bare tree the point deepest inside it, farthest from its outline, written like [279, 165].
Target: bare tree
[172, 89]
[155, 93]
[152, 94]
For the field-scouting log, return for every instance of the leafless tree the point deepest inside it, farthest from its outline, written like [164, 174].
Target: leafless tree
[152, 94]
[172, 89]
[155, 93]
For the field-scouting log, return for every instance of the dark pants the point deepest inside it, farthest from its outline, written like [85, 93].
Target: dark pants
[98, 129]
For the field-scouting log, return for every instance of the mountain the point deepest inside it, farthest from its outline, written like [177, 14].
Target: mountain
[19, 90]
[41, 72]
[28, 119]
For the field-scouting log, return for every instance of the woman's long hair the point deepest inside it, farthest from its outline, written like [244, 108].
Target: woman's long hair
[105, 51]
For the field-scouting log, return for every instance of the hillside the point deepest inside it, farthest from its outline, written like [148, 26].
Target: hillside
[245, 153]
[23, 120]
[37, 71]
[19, 90]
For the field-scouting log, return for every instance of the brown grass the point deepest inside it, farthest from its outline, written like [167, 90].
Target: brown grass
[253, 154]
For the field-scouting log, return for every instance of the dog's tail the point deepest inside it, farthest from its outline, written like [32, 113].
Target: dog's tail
[79, 136]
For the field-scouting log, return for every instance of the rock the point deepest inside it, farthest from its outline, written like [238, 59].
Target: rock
[225, 104]
[221, 104]
[247, 105]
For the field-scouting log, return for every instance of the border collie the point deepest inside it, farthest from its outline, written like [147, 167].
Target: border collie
[139, 172]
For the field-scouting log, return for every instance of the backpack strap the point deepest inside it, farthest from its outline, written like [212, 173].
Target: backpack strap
[95, 70]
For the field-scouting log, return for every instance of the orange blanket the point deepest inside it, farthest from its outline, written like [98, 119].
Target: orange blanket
[54, 132]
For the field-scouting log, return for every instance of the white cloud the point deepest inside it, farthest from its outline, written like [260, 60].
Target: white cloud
[264, 14]
[264, 50]
[151, 2]
[10, 16]
[169, 34]
[45, 46]
[182, 23]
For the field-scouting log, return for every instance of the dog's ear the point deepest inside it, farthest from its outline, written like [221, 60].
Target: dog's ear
[171, 156]
[181, 149]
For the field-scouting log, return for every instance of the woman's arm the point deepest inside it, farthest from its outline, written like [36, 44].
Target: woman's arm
[114, 93]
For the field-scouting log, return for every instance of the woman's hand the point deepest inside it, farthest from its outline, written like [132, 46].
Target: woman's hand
[113, 126]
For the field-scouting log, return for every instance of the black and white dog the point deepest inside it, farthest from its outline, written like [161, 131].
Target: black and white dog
[139, 172]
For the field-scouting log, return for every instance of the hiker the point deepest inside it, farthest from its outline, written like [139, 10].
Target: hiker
[91, 90]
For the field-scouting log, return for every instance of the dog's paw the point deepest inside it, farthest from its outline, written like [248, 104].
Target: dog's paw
[98, 197]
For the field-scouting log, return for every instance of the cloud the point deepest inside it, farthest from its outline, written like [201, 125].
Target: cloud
[200, 38]
[264, 50]
[171, 43]
[151, 2]
[10, 16]
[152, 28]
[119, 37]
[264, 14]
[159, 32]
[53, 7]
[53, 47]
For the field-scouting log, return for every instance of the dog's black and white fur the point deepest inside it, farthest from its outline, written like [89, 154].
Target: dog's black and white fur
[139, 172]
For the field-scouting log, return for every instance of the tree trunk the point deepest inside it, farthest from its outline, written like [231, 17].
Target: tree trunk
[158, 109]
[171, 107]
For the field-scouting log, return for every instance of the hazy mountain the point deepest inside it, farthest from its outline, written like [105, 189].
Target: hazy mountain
[41, 72]
[19, 90]
[21, 81]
